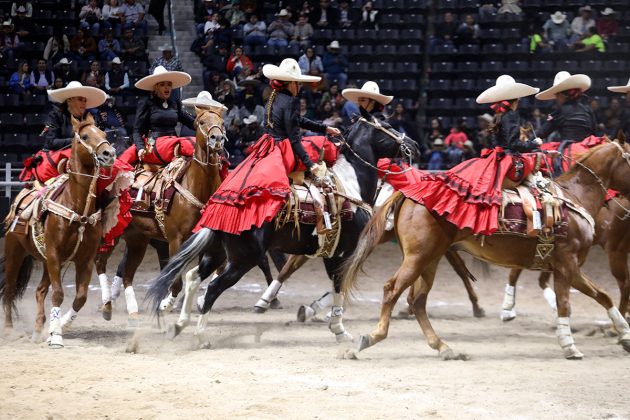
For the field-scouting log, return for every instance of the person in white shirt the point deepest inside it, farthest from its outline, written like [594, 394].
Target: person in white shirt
[580, 24]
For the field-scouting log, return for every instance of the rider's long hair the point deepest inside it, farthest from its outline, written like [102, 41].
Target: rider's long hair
[499, 109]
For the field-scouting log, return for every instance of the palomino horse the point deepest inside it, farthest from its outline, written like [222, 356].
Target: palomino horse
[200, 179]
[612, 232]
[72, 231]
[424, 237]
[356, 169]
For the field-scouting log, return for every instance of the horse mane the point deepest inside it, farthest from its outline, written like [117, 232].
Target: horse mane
[83, 124]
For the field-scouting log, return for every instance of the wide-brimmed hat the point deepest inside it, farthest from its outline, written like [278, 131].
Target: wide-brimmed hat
[608, 11]
[438, 142]
[369, 90]
[95, 97]
[7, 23]
[250, 120]
[486, 117]
[249, 82]
[586, 8]
[506, 88]
[20, 9]
[116, 60]
[620, 89]
[565, 81]
[334, 45]
[558, 17]
[63, 61]
[160, 74]
[165, 47]
[283, 13]
[204, 100]
[287, 71]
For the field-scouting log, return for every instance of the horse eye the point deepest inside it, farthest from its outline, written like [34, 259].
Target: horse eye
[85, 137]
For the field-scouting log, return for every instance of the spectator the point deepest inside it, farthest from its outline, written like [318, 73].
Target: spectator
[346, 18]
[217, 61]
[537, 43]
[210, 26]
[306, 9]
[20, 81]
[250, 107]
[486, 10]
[614, 118]
[334, 96]
[435, 132]
[249, 89]
[280, 30]
[9, 41]
[250, 133]
[456, 137]
[58, 84]
[132, 47]
[116, 80]
[325, 110]
[334, 120]
[226, 95]
[111, 17]
[83, 46]
[255, 31]
[235, 14]
[369, 17]
[57, 47]
[580, 24]
[93, 76]
[237, 62]
[306, 111]
[436, 156]
[469, 150]
[212, 82]
[204, 13]
[484, 137]
[335, 65]
[156, 9]
[557, 31]
[625, 120]
[401, 121]
[42, 77]
[468, 31]
[232, 122]
[22, 3]
[132, 14]
[445, 31]
[23, 24]
[218, 36]
[110, 120]
[349, 110]
[167, 60]
[303, 32]
[108, 47]
[454, 155]
[310, 63]
[607, 25]
[325, 16]
[510, 7]
[65, 72]
[91, 17]
[537, 120]
[591, 43]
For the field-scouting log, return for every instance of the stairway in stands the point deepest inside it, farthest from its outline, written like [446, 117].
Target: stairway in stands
[185, 33]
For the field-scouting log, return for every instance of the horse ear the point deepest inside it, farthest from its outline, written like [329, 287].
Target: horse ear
[90, 118]
[75, 123]
[621, 136]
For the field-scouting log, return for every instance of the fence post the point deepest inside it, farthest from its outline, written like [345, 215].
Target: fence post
[7, 179]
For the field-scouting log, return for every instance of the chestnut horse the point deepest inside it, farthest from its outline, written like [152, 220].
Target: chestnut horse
[200, 180]
[424, 238]
[72, 231]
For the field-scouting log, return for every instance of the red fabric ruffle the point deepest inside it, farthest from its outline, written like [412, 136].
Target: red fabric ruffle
[124, 218]
[164, 152]
[399, 180]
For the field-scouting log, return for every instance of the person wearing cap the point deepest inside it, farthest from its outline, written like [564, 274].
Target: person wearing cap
[9, 41]
[23, 24]
[280, 30]
[573, 119]
[22, 4]
[258, 188]
[369, 98]
[557, 31]
[625, 121]
[169, 61]
[607, 24]
[65, 72]
[157, 116]
[250, 134]
[116, 79]
[580, 24]
[335, 64]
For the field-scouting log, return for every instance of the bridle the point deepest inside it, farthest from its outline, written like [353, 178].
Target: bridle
[211, 140]
[93, 151]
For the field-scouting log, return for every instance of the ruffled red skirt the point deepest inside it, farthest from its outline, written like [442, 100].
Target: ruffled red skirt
[468, 195]
[398, 179]
[163, 152]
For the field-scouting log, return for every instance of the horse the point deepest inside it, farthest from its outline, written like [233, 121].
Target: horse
[71, 232]
[612, 233]
[355, 167]
[424, 237]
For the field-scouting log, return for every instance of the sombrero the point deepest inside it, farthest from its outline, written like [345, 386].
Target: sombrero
[369, 90]
[506, 88]
[95, 97]
[203, 100]
[558, 17]
[160, 74]
[287, 71]
[565, 81]
[620, 89]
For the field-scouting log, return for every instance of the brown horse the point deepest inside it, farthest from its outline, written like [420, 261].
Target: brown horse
[200, 179]
[71, 231]
[424, 237]
[612, 232]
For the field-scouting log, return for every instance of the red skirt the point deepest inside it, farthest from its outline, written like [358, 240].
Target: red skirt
[399, 180]
[163, 152]
[573, 151]
[255, 191]
[46, 168]
[468, 195]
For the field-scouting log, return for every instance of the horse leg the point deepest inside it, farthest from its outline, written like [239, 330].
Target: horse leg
[269, 297]
[168, 303]
[548, 294]
[40, 297]
[563, 273]
[618, 262]
[14, 257]
[333, 269]
[509, 298]
[83, 276]
[107, 289]
[460, 268]
[54, 325]
[589, 288]
[136, 249]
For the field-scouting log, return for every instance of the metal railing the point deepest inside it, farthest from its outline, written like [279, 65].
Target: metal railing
[10, 183]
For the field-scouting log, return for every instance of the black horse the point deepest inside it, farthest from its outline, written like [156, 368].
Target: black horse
[356, 167]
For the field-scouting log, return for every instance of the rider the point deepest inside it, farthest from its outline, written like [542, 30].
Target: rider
[154, 133]
[469, 195]
[625, 123]
[257, 189]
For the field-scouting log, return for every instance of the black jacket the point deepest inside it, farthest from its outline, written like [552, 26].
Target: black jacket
[508, 132]
[58, 131]
[573, 120]
[285, 122]
[152, 119]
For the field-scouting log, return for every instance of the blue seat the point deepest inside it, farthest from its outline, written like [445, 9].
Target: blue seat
[469, 49]
[569, 65]
[467, 66]
[409, 49]
[410, 35]
[517, 65]
[385, 49]
[464, 84]
[383, 67]
[441, 103]
[441, 67]
[492, 66]
[439, 84]
[493, 48]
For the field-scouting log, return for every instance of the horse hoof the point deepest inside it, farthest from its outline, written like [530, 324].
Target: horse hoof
[508, 315]
[344, 337]
[275, 304]
[107, 312]
[259, 310]
[133, 321]
[572, 353]
[624, 340]
[364, 342]
[55, 341]
[173, 331]
[36, 337]
[478, 312]
[305, 313]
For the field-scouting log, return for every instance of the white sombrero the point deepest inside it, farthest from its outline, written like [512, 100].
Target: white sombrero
[204, 100]
[558, 17]
[369, 90]
[506, 88]
[95, 97]
[160, 74]
[620, 89]
[251, 119]
[565, 81]
[287, 71]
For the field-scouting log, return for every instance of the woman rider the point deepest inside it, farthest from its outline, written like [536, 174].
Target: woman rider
[469, 195]
[154, 133]
[258, 187]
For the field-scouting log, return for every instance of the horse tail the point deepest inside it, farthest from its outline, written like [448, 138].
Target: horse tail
[370, 237]
[23, 276]
[459, 266]
[189, 250]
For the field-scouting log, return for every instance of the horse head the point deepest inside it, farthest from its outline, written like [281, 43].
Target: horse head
[376, 139]
[210, 132]
[90, 145]
[620, 168]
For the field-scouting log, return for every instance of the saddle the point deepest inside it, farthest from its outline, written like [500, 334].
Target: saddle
[154, 186]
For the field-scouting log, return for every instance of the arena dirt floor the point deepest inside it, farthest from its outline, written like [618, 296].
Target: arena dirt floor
[270, 366]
